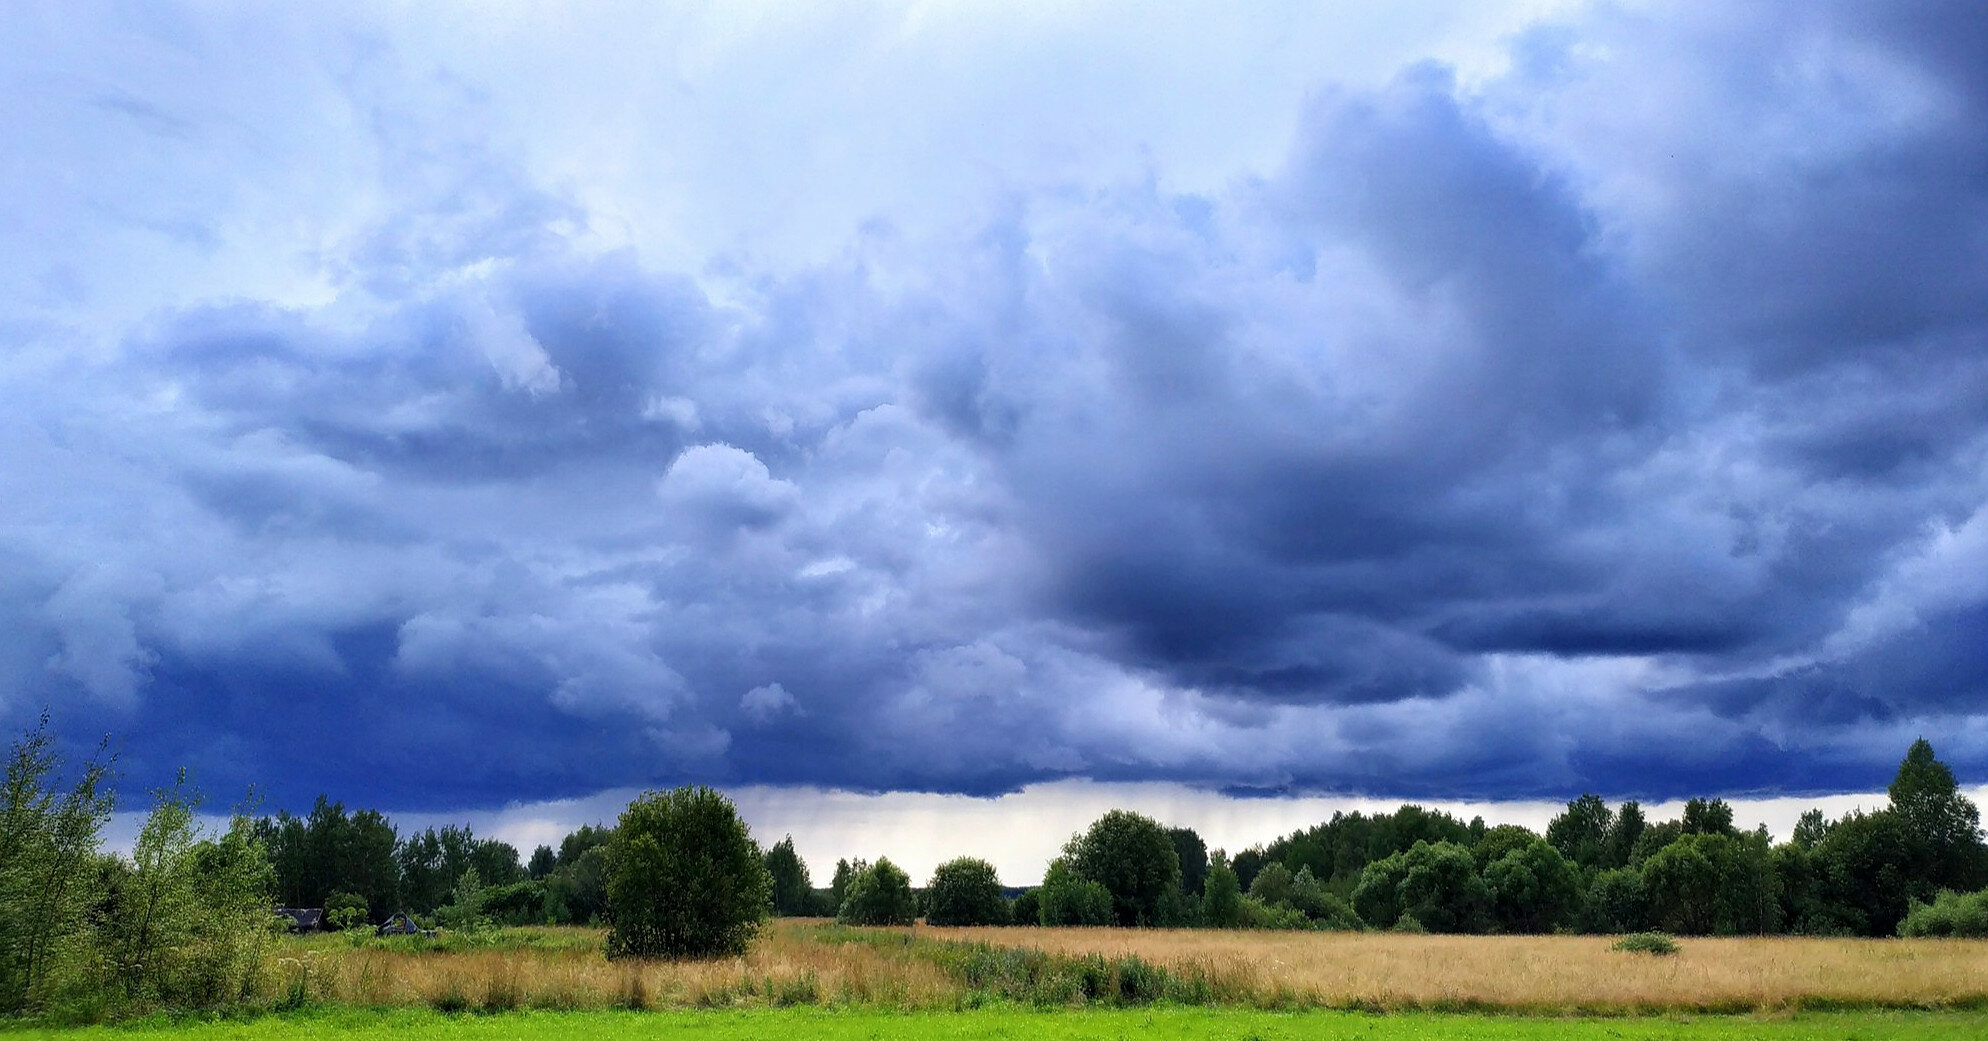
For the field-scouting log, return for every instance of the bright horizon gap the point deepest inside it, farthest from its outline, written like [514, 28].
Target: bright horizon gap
[1020, 832]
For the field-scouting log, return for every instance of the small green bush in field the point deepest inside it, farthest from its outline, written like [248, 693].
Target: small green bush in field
[1646, 943]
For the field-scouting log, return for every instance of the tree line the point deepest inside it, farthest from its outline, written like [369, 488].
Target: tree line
[186, 918]
[1917, 866]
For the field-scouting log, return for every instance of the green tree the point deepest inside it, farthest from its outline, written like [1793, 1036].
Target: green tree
[464, 911]
[543, 862]
[1533, 888]
[1810, 830]
[1581, 832]
[1498, 841]
[1193, 856]
[1068, 898]
[1434, 883]
[576, 893]
[1614, 903]
[1710, 882]
[1624, 834]
[577, 842]
[1325, 909]
[1026, 909]
[964, 891]
[1272, 885]
[793, 892]
[838, 886]
[497, 862]
[684, 878]
[1654, 837]
[47, 844]
[879, 894]
[1708, 817]
[1942, 822]
[1133, 858]
[190, 925]
[1221, 896]
[1866, 870]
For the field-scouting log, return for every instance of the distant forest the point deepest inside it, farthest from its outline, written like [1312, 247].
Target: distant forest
[177, 915]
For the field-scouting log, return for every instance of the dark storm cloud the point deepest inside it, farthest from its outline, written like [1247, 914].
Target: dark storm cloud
[1612, 422]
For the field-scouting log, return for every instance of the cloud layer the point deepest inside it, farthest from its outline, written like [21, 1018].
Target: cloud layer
[439, 411]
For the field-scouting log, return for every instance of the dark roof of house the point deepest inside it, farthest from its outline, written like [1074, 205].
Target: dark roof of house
[303, 917]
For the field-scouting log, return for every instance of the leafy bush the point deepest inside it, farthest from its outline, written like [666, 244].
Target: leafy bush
[345, 911]
[1646, 943]
[1258, 915]
[1950, 914]
[879, 895]
[520, 903]
[684, 879]
[964, 891]
[464, 911]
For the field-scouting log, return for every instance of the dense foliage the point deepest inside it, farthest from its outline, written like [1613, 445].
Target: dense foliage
[1133, 858]
[684, 878]
[878, 894]
[964, 891]
[793, 893]
[183, 922]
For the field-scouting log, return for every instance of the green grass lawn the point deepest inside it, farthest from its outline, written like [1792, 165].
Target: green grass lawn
[1024, 1025]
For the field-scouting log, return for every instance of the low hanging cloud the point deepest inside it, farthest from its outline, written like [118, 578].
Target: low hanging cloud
[1606, 414]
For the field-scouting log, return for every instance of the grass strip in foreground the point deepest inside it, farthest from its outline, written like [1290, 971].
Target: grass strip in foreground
[1019, 1024]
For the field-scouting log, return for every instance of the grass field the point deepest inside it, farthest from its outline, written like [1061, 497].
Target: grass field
[815, 979]
[1551, 973]
[1010, 1024]
[800, 963]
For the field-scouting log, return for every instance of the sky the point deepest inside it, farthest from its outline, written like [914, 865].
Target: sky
[484, 408]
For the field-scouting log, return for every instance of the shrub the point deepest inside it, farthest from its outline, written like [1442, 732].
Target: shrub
[1950, 914]
[345, 911]
[965, 892]
[1646, 943]
[1258, 915]
[879, 895]
[684, 878]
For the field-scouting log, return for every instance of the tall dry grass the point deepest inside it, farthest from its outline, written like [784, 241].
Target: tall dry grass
[786, 965]
[1578, 973]
[801, 962]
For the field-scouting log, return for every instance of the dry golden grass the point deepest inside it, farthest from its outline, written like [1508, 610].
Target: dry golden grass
[791, 964]
[1398, 970]
[784, 966]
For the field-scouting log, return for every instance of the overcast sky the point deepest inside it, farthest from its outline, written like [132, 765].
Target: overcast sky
[446, 406]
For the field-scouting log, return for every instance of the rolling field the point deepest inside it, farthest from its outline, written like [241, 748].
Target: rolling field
[1009, 1024]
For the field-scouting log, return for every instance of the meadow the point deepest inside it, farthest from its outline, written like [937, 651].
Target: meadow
[820, 964]
[1011, 1024]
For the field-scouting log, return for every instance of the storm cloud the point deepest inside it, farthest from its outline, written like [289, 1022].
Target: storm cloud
[440, 410]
